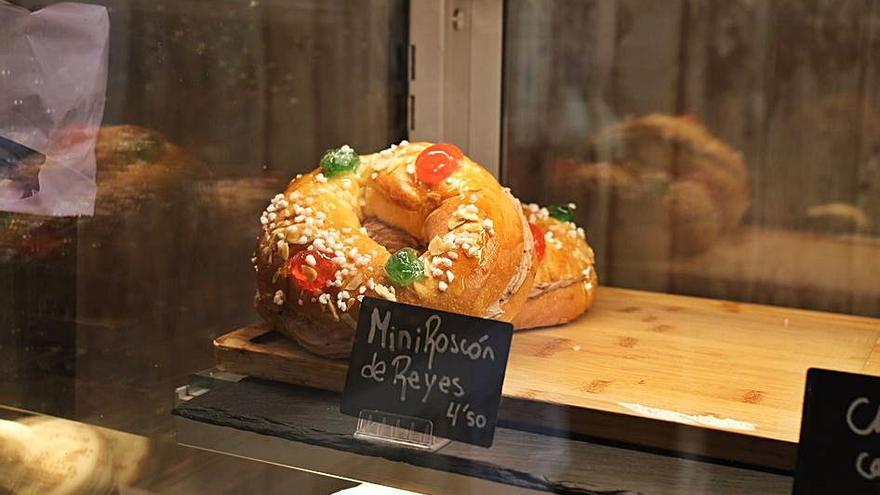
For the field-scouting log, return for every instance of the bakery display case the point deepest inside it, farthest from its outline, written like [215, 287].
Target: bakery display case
[641, 224]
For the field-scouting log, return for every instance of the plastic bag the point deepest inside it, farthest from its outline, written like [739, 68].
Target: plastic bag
[53, 78]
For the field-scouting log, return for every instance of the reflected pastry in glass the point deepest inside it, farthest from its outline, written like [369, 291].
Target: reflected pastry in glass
[658, 185]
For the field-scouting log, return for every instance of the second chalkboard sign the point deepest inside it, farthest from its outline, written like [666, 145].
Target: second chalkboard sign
[423, 363]
[839, 450]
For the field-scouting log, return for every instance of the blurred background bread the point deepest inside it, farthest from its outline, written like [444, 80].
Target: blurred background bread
[657, 186]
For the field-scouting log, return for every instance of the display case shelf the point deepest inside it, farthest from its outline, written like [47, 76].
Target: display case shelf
[302, 428]
[648, 369]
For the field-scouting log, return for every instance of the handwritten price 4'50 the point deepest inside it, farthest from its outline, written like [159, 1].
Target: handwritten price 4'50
[472, 419]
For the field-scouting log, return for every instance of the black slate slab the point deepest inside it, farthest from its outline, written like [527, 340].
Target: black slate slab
[520, 458]
[312, 416]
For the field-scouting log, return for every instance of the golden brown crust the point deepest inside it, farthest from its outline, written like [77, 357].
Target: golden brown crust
[566, 282]
[479, 257]
[556, 306]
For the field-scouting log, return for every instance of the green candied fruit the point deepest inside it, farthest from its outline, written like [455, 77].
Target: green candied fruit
[404, 267]
[340, 161]
[148, 148]
[660, 186]
[561, 212]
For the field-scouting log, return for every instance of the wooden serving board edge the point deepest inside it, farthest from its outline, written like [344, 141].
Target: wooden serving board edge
[235, 353]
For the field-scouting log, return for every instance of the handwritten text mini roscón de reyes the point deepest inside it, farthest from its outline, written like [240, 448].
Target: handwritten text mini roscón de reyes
[430, 341]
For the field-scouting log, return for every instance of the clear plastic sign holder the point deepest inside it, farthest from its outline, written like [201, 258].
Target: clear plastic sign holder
[398, 430]
[203, 381]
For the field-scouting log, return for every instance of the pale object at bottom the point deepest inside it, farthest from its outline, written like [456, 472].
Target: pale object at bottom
[41, 455]
[371, 489]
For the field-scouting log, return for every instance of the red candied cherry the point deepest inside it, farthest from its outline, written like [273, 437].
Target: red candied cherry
[540, 245]
[437, 162]
[312, 270]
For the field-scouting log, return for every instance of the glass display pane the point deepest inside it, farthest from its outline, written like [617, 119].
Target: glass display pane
[714, 148]
[192, 327]
[211, 108]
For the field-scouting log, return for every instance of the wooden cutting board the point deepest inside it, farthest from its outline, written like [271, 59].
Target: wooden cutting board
[697, 376]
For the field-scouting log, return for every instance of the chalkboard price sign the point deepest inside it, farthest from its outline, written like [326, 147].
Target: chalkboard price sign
[443, 367]
[839, 449]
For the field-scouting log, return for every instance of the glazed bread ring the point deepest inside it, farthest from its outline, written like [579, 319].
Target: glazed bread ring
[416, 223]
[566, 283]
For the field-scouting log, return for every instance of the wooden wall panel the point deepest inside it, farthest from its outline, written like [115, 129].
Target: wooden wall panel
[791, 84]
[812, 99]
[259, 85]
[552, 48]
[723, 73]
[335, 74]
[255, 88]
[195, 72]
[270, 84]
[867, 194]
[723, 69]
[647, 57]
